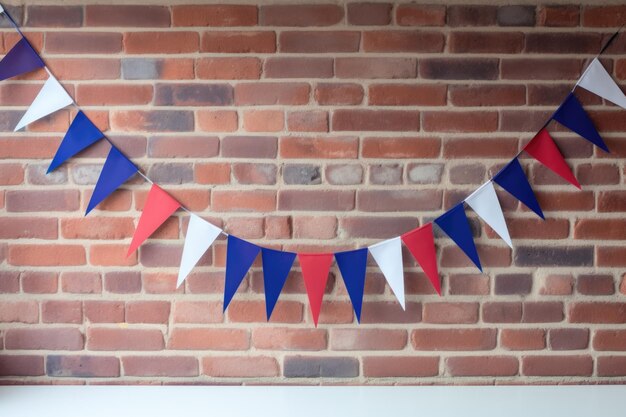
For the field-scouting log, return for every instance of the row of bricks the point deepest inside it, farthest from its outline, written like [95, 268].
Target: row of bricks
[297, 366]
[352, 13]
[133, 282]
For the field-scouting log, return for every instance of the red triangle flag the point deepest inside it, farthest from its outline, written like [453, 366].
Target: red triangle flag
[421, 244]
[315, 268]
[159, 206]
[544, 150]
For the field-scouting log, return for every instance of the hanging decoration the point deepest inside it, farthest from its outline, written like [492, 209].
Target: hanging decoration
[352, 264]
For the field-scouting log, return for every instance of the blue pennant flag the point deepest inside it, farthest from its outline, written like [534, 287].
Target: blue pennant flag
[81, 134]
[240, 256]
[572, 115]
[513, 179]
[116, 171]
[352, 265]
[454, 223]
[21, 59]
[276, 267]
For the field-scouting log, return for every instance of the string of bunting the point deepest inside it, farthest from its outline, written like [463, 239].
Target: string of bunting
[276, 264]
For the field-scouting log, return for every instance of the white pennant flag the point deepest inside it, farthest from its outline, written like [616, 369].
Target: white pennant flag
[1, 9]
[200, 236]
[388, 256]
[484, 202]
[599, 82]
[51, 98]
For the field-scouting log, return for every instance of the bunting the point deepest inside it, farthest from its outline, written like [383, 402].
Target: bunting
[198, 239]
[240, 256]
[597, 80]
[454, 223]
[315, 268]
[513, 180]
[485, 203]
[50, 99]
[421, 244]
[21, 59]
[352, 265]
[159, 206]
[81, 134]
[544, 150]
[388, 256]
[276, 267]
[572, 115]
[116, 171]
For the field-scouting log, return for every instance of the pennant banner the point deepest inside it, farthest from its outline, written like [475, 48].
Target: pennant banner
[388, 256]
[315, 268]
[21, 59]
[240, 256]
[116, 171]
[158, 208]
[572, 115]
[81, 134]
[421, 244]
[352, 265]
[544, 150]
[597, 80]
[50, 99]
[454, 223]
[276, 267]
[485, 203]
[198, 239]
[513, 180]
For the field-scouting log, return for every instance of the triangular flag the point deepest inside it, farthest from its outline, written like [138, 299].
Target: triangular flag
[200, 236]
[485, 203]
[315, 268]
[116, 171]
[572, 115]
[240, 256]
[21, 59]
[1, 9]
[513, 179]
[81, 134]
[276, 267]
[421, 244]
[597, 80]
[388, 256]
[158, 208]
[52, 97]
[352, 265]
[544, 150]
[454, 223]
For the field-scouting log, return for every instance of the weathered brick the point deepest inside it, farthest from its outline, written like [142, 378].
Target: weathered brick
[320, 367]
[83, 366]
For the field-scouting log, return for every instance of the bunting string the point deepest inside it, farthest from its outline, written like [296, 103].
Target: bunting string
[276, 264]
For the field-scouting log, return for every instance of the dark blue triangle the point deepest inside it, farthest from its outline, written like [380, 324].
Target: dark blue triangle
[116, 171]
[81, 134]
[352, 265]
[572, 115]
[22, 58]
[454, 223]
[276, 267]
[513, 179]
[240, 256]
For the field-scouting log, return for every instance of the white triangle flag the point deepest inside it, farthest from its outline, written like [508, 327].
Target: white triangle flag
[484, 202]
[388, 256]
[200, 236]
[51, 98]
[1, 9]
[599, 82]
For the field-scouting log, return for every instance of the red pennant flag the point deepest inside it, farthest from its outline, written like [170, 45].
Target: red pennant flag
[544, 150]
[421, 243]
[315, 268]
[159, 206]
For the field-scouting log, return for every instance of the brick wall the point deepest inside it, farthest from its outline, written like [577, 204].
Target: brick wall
[312, 127]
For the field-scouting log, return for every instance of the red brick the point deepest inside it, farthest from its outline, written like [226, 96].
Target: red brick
[597, 174]
[375, 68]
[375, 227]
[459, 68]
[557, 285]
[569, 339]
[217, 120]
[421, 15]
[272, 93]
[557, 365]
[540, 69]
[41, 255]
[240, 367]
[97, 311]
[19, 311]
[604, 16]
[83, 43]
[83, 366]
[255, 312]
[463, 122]
[28, 227]
[561, 16]
[213, 339]
[407, 95]
[338, 94]
[319, 41]
[595, 285]
[228, 68]
[400, 366]
[316, 200]
[39, 282]
[21, 365]
[322, 147]
[160, 366]
[612, 201]
[606, 229]
[391, 312]
[487, 95]
[102, 94]
[157, 312]
[300, 15]
[542, 312]
[61, 311]
[57, 338]
[28, 147]
[611, 366]
[596, 312]
[42, 200]
[153, 121]
[197, 312]
[609, 340]
[9, 281]
[482, 366]
[307, 121]
[127, 16]
[472, 15]
[404, 147]
[368, 339]
[502, 312]
[55, 16]
[611, 256]
[375, 120]
[99, 338]
[369, 14]
[214, 15]
[403, 41]
[523, 339]
[244, 201]
[398, 200]
[467, 284]
[263, 120]
[289, 339]
[485, 148]
[450, 313]
[161, 42]
[453, 339]
[238, 42]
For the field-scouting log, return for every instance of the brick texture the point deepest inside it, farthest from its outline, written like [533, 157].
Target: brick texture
[312, 127]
